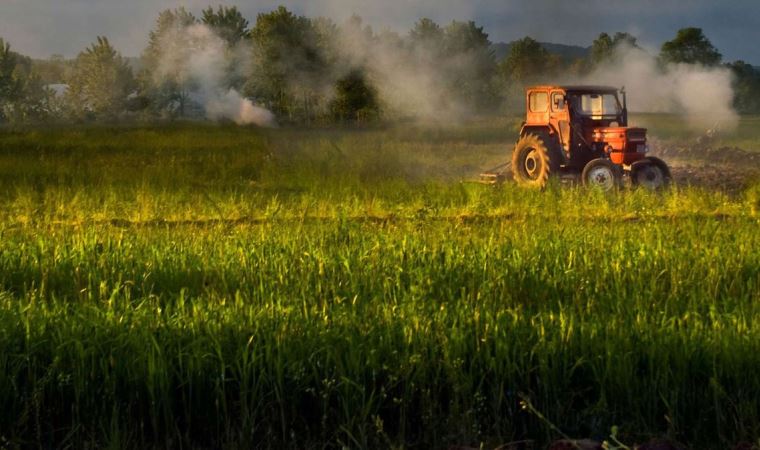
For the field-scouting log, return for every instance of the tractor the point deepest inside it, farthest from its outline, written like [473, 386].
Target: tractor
[582, 131]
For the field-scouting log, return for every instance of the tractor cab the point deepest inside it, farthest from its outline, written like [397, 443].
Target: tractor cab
[567, 128]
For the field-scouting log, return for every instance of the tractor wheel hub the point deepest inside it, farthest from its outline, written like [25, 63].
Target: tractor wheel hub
[651, 177]
[602, 177]
[532, 164]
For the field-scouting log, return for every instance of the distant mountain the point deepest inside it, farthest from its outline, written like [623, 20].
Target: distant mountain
[566, 52]
[569, 52]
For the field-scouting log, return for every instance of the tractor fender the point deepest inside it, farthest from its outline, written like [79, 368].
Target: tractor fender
[546, 131]
[537, 129]
[655, 161]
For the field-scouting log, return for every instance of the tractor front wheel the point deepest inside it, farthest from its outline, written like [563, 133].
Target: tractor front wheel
[651, 173]
[601, 174]
[532, 162]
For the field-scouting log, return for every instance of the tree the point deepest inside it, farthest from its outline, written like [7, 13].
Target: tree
[472, 64]
[746, 87]
[52, 70]
[427, 36]
[23, 97]
[327, 35]
[604, 47]
[462, 37]
[37, 102]
[100, 82]
[228, 23]
[11, 84]
[289, 63]
[162, 79]
[690, 46]
[527, 62]
[355, 100]
[578, 67]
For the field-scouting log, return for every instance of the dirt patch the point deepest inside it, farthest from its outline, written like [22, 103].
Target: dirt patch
[699, 163]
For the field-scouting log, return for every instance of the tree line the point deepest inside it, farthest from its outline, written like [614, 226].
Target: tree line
[312, 70]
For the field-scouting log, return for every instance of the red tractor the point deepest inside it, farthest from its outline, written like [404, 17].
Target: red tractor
[573, 131]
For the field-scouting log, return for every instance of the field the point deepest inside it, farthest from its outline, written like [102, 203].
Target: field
[211, 286]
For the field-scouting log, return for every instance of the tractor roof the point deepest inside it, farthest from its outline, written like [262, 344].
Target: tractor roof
[578, 88]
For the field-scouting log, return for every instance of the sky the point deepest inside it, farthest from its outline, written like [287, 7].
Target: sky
[40, 28]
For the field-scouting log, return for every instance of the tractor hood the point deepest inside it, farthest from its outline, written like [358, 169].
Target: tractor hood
[619, 135]
[624, 145]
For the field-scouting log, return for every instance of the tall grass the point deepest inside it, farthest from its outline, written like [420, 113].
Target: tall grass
[223, 287]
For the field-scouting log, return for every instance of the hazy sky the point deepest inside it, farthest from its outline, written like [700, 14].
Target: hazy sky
[43, 27]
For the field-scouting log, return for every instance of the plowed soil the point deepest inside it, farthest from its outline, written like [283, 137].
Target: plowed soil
[729, 169]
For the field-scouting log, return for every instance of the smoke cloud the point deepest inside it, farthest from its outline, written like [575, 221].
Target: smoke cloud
[416, 79]
[199, 59]
[704, 95]
[238, 109]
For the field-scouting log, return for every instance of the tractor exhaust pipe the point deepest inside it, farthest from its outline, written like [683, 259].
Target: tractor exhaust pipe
[625, 106]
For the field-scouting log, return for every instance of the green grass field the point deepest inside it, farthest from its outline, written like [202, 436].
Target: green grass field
[202, 286]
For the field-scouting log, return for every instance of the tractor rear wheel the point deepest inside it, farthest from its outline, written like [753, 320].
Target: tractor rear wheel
[651, 173]
[533, 162]
[601, 174]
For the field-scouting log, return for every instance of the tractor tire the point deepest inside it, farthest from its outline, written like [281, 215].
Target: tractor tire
[603, 174]
[651, 173]
[533, 161]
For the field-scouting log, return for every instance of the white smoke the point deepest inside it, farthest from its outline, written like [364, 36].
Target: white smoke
[201, 60]
[415, 81]
[412, 81]
[241, 110]
[704, 95]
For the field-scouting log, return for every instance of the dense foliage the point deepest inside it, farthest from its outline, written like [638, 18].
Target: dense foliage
[299, 67]
[691, 46]
[23, 97]
[100, 82]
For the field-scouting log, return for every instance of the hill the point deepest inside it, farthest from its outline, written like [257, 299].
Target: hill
[566, 52]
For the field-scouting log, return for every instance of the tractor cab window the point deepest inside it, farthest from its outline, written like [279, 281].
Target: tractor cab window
[538, 101]
[597, 106]
[558, 101]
